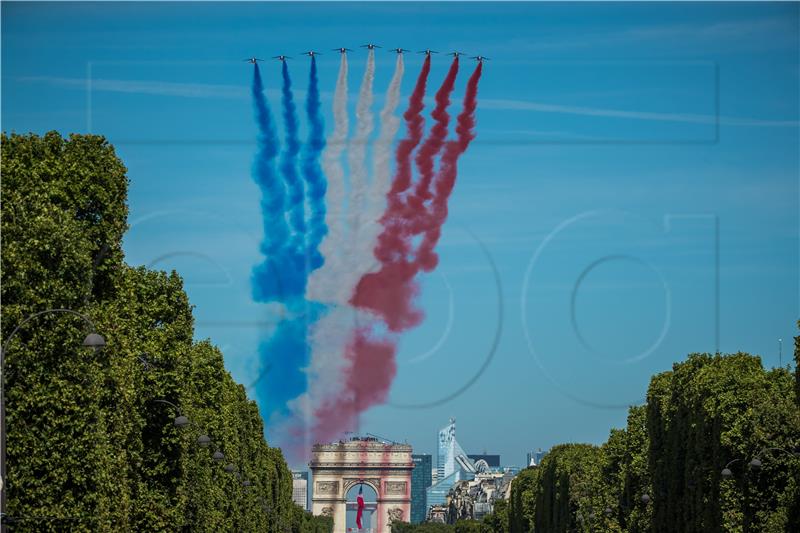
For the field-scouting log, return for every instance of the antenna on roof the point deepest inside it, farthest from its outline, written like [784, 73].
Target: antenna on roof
[388, 441]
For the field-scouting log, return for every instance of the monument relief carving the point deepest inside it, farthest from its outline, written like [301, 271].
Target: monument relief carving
[395, 514]
[327, 487]
[395, 487]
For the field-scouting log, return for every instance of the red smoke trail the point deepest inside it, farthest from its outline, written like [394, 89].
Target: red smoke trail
[390, 291]
[415, 126]
[433, 144]
[448, 169]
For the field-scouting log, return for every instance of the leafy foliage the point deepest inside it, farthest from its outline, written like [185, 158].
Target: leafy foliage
[88, 447]
[708, 412]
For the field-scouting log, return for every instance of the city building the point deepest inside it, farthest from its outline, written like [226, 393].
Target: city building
[300, 489]
[474, 499]
[492, 461]
[421, 479]
[452, 465]
[534, 458]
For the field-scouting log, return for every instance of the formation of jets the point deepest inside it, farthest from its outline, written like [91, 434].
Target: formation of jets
[370, 46]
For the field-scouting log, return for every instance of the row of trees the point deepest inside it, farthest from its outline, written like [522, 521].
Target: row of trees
[88, 446]
[664, 471]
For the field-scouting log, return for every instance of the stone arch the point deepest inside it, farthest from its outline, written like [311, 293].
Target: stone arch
[350, 483]
[384, 467]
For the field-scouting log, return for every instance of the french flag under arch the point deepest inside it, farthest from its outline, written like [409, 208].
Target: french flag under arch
[360, 506]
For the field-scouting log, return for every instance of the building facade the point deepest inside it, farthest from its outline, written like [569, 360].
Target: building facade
[385, 467]
[421, 479]
[452, 465]
[300, 488]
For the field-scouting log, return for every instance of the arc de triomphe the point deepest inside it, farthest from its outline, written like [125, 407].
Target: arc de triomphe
[337, 467]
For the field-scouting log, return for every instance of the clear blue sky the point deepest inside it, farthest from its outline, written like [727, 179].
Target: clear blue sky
[613, 141]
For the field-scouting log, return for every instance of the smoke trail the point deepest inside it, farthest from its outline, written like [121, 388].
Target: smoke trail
[390, 291]
[372, 350]
[433, 144]
[320, 283]
[295, 205]
[337, 412]
[332, 333]
[273, 279]
[356, 160]
[312, 172]
[448, 170]
[375, 202]
[267, 286]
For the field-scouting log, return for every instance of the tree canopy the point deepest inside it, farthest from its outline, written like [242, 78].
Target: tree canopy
[663, 472]
[90, 445]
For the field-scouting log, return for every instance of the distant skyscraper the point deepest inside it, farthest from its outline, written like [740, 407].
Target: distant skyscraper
[449, 452]
[452, 465]
[421, 479]
[300, 489]
[534, 458]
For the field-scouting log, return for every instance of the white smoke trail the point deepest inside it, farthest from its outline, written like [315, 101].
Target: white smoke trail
[375, 201]
[356, 160]
[320, 287]
[367, 203]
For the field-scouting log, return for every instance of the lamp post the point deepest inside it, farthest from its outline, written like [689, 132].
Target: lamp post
[180, 420]
[755, 463]
[92, 340]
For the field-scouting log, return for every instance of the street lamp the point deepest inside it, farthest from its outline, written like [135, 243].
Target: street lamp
[645, 499]
[229, 468]
[180, 420]
[755, 463]
[92, 340]
[203, 441]
[218, 456]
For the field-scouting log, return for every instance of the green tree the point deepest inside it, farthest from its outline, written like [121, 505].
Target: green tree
[706, 412]
[89, 447]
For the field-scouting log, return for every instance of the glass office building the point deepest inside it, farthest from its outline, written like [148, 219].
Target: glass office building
[452, 465]
[421, 478]
[300, 489]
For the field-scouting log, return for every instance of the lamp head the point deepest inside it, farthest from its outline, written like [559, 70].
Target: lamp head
[94, 340]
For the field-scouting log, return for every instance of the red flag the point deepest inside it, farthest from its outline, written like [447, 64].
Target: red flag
[360, 503]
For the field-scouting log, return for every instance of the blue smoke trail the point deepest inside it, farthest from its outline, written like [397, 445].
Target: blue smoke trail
[278, 278]
[270, 278]
[312, 172]
[296, 204]
[283, 275]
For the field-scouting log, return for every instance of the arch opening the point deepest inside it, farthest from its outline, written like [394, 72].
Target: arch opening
[369, 517]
